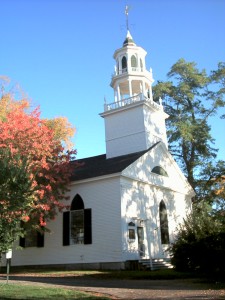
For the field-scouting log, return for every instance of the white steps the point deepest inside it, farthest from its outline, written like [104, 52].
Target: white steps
[156, 264]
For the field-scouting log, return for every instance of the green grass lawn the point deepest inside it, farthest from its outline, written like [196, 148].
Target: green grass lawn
[28, 292]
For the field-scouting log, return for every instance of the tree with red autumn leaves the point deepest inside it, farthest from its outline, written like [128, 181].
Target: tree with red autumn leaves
[34, 168]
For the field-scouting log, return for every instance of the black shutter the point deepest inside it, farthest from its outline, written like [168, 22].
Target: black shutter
[87, 226]
[22, 239]
[66, 228]
[22, 242]
[40, 239]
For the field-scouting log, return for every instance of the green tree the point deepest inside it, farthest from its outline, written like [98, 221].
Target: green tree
[218, 77]
[15, 183]
[35, 169]
[191, 98]
[200, 242]
[211, 187]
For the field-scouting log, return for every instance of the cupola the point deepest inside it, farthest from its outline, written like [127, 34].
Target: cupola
[134, 121]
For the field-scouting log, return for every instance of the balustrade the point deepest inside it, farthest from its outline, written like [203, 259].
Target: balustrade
[130, 100]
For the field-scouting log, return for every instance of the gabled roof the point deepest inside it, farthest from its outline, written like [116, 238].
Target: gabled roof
[99, 165]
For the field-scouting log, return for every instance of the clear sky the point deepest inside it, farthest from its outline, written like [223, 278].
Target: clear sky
[60, 52]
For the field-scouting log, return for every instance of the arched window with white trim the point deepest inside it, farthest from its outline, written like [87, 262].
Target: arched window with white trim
[77, 227]
[133, 63]
[141, 65]
[124, 64]
[164, 228]
[159, 171]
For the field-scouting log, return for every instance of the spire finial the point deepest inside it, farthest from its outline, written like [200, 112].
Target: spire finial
[127, 8]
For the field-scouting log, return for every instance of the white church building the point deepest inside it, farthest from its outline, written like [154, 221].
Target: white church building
[126, 204]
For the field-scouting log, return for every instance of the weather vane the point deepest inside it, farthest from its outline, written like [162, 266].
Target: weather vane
[127, 8]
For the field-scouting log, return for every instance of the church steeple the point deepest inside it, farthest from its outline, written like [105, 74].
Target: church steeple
[133, 122]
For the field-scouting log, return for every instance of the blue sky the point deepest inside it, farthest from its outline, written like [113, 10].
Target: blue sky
[60, 52]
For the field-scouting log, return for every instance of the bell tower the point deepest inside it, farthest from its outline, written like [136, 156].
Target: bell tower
[134, 121]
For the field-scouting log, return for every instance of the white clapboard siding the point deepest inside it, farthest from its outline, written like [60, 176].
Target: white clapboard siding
[103, 197]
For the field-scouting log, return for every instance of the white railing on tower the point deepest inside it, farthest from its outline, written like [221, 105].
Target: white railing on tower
[125, 70]
[130, 100]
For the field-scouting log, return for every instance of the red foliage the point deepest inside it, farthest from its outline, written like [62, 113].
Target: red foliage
[48, 165]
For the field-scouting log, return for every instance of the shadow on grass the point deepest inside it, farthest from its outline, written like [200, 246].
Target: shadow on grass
[160, 280]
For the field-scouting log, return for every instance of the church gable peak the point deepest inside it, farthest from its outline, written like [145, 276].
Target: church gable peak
[158, 156]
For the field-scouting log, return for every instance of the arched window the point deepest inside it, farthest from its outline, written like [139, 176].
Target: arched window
[133, 62]
[163, 223]
[77, 227]
[77, 203]
[77, 221]
[141, 65]
[117, 68]
[124, 64]
[160, 171]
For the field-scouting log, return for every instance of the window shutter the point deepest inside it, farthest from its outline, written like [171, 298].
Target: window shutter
[40, 239]
[66, 228]
[22, 242]
[87, 226]
[22, 239]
